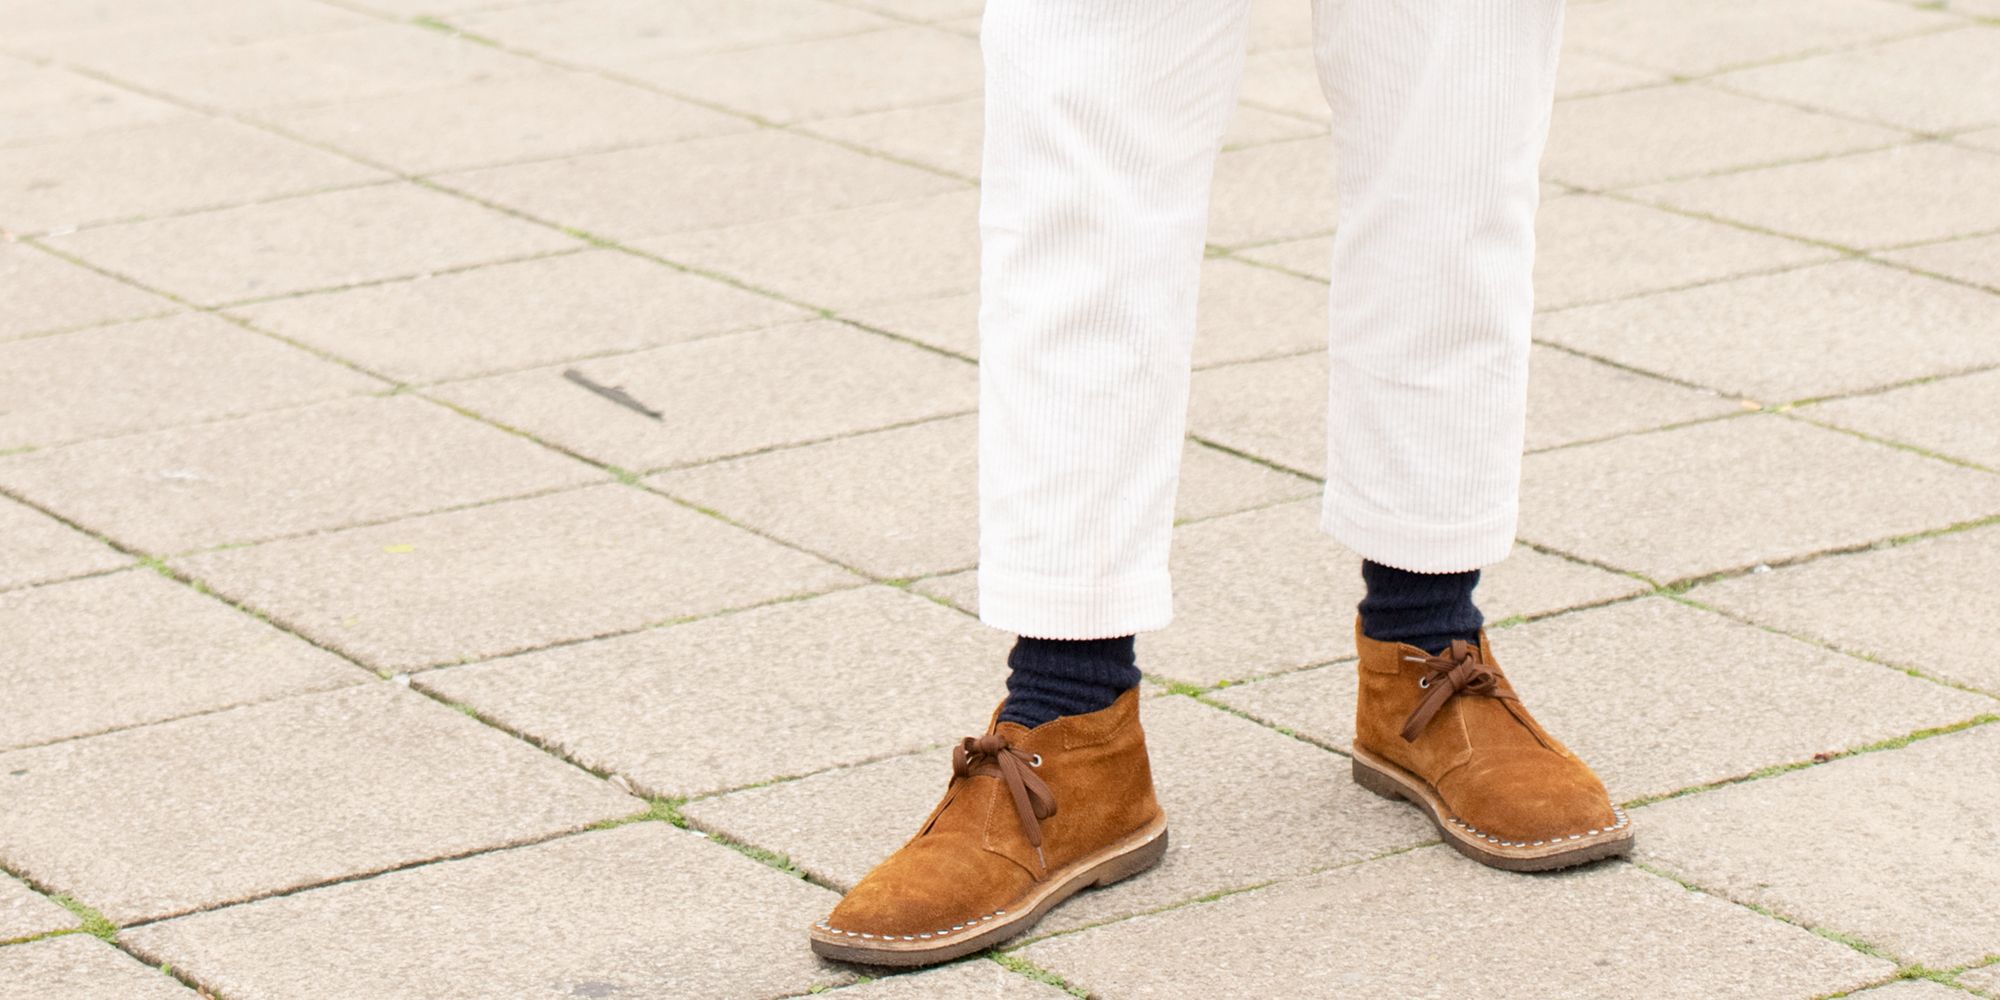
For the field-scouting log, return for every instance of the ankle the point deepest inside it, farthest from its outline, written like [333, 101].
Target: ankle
[1051, 678]
[1425, 610]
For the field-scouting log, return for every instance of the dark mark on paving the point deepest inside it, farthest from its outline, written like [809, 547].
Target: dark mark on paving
[610, 392]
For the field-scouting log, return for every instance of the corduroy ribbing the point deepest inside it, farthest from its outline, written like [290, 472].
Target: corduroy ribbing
[1103, 121]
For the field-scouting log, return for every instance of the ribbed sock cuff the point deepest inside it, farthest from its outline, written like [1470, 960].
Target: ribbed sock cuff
[1426, 610]
[1049, 678]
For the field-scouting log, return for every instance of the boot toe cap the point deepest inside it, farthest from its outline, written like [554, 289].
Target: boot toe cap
[931, 887]
[1529, 797]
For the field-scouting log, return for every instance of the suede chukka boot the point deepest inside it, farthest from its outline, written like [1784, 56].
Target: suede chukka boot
[1029, 818]
[1448, 734]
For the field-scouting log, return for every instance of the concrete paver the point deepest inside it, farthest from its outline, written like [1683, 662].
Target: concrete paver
[828, 77]
[25, 913]
[1830, 846]
[339, 783]
[625, 33]
[328, 465]
[115, 176]
[125, 649]
[42, 293]
[1935, 82]
[35, 548]
[154, 373]
[1595, 249]
[317, 241]
[1949, 416]
[1682, 130]
[1730, 494]
[80, 967]
[1805, 333]
[501, 578]
[1853, 201]
[1540, 937]
[726, 396]
[543, 115]
[642, 911]
[1920, 605]
[516, 315]
[928, 672]
[1698, 37]
[745, 177]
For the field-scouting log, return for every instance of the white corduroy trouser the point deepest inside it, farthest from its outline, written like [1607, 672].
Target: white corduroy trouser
[1103, 121]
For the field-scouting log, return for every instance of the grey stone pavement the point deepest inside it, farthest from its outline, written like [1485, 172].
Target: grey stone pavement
[354, 644]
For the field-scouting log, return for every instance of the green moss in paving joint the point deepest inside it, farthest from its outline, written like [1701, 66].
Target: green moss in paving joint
[1892, 743]
[95, 924]
[1035, 972]
[656, 811]
[435, 24]
[1178, 687]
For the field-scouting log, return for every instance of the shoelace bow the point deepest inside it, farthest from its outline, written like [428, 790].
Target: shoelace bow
[1458, 668]
[992, 755]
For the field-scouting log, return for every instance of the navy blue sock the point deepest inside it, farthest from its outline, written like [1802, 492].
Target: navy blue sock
[1048, 678]
[1426, 610]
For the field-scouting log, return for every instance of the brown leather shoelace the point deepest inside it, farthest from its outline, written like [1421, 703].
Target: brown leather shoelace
[1458, 668]
[992, 755]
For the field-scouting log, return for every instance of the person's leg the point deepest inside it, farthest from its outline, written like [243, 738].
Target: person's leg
[1103, 119]
[1441, 109]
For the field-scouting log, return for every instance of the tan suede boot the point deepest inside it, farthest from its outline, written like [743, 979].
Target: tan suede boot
[1448, 734]
[1030, 817]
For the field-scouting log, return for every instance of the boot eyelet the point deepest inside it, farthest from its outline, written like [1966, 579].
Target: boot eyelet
[1424, 682]
[1035, 761]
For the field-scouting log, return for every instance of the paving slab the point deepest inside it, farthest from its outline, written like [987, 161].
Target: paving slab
[1910, 989]
[626, 33]
[164, 372]
[730, 395]
[1698, 37]
[1247, 312]
[149, 822]
[1863, 200]
[25, 913]
[510, 576]
[1642, 734]
[80, 967]
[778, 691]
[317, 241]
[127, 649]
[923, 248]
[1937, 82]
[947, 137]
[1953, 416]
[1286, 80]
[904, 502]
[1976, 260]
[516, 315]
[104, 35]
[515, 118]
[1278, 191]
[744, 177]
[1814, 331]
[35, 548]
[1873, 846]
[1586, 74]
[949, 323]
[1540, 937]
[1265, 591]
[375, 60]
[643, 911]
[178, 166]
[1594, 249]
[1728, 494]
[329, 465]
[42, 293]
[39, 103]
[1687, 130]
[1985, 979]
[1254, 126]
[1918, 605]
[1311, 257]
[1246, 805]
[829, 77]
[972, 979]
